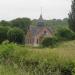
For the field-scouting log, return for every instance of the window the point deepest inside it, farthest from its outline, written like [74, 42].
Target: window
[45, 33]
[37, 41]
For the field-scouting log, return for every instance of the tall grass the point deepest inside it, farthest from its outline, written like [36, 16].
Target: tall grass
[21, 60]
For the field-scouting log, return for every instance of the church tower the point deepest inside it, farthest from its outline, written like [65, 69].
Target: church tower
[36, 34]
[40, 22]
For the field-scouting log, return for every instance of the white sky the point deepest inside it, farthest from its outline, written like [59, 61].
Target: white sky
[10, 9]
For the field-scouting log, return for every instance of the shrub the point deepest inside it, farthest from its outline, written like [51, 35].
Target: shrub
[16, 35]
[65, 34]
[67, 68]
[50, 41]
[5, 42]
[6, 54]
[3, 33]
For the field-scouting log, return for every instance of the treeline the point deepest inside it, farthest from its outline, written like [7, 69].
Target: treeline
[65, 34]
[22, 23]
[15, 30]
[54, 23]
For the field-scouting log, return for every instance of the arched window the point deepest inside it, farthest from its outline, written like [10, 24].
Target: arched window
[45, 33]
[37, 41]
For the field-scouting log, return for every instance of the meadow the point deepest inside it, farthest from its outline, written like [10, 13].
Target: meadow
[26, 60]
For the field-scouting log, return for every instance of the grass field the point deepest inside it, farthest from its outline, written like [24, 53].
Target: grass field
[24, 60]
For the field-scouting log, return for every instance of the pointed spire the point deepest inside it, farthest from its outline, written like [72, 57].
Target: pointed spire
[41, 18]
[40, 22]
[41, 10]
[41, 14]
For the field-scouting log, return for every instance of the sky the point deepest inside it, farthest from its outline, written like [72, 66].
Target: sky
[11, 9]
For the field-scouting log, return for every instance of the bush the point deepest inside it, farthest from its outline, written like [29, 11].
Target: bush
[65, 34]
[6, 54]
[3, 33]
[16, 35]
[67, 68]
[5, 42]
[61, 35]
[50, 41]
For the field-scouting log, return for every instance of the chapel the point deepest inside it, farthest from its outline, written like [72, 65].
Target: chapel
[36, 34]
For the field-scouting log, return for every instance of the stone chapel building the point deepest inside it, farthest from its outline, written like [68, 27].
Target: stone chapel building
[35, 35]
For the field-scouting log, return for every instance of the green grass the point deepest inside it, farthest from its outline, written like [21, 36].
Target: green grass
[24, 60]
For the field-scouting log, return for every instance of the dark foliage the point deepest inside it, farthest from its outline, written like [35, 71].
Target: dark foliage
[67, 69]
[52, 42]
[5, 23]
[54, 23]
[16, 35]
[72, 16]
[22, 23]
[65, 34]
[3, 33]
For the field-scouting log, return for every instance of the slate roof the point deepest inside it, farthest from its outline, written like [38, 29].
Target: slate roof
[39, 26]
[35, 30]
[40, 22]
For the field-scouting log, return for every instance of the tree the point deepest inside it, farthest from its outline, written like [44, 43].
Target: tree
[16, 35]
[22, 23]
[5, 23]
[65, 34]
[3, 33]
[72, 16]
[50, 42]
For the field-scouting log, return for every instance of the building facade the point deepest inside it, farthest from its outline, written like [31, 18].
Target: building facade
[35, 35]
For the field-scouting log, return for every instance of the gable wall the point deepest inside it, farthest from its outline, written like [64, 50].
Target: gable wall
[41, 32]
[35, 40]
[29, 38]
[40, 36]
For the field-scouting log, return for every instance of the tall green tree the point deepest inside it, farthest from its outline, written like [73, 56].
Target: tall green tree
[5, 23]
[3, 33]
[16, 35]
[72, 16]
[22, 23]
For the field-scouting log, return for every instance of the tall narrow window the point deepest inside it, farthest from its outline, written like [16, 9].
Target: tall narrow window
[37, 41]
[44, 32]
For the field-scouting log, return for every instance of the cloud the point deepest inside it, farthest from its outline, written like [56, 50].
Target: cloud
[10, 9]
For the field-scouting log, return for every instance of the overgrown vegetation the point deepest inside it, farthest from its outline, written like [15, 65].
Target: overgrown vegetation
[50, 42]
[72, 16]
[54, 24]
[16, 35]
[3, 33]
[15, 30]
[21, 60]
[61, 36]
[16, 59]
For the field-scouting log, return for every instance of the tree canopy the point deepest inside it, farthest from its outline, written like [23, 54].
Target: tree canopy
[22, 23]
[5, 23]
[72, 16]
[3, 33]
[16, 35]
